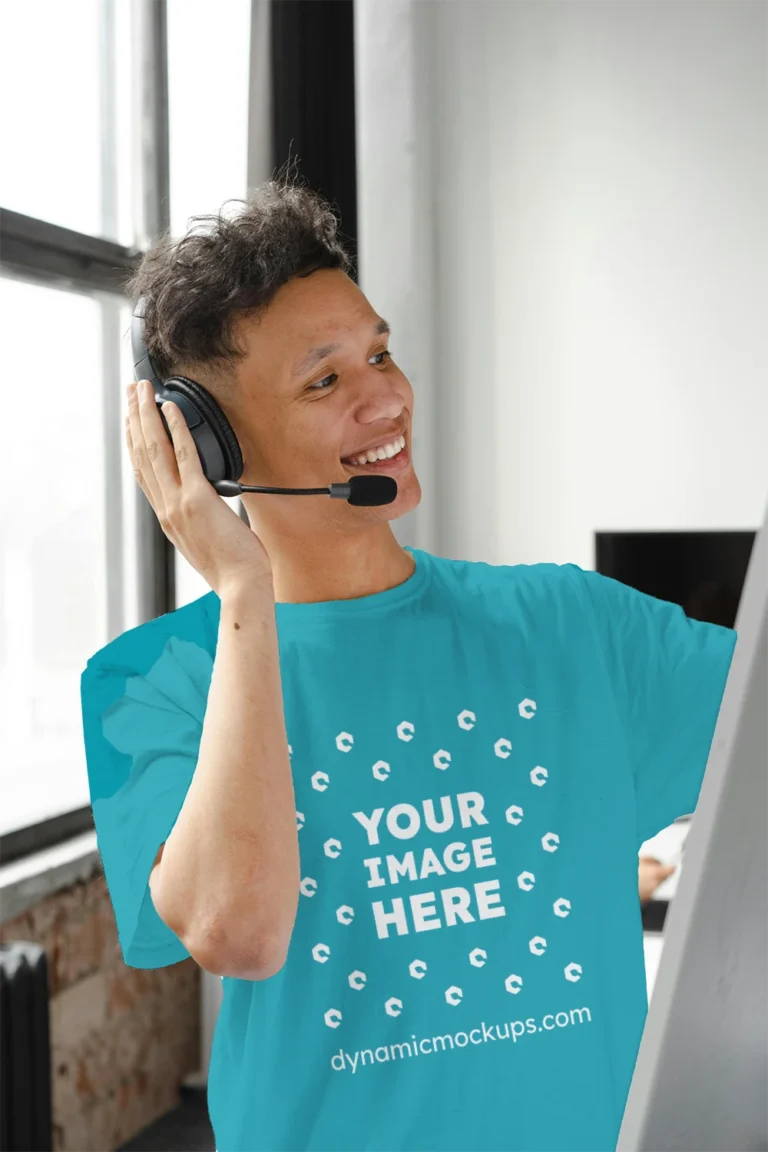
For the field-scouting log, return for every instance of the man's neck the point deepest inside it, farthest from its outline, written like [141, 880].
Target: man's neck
[307, 571]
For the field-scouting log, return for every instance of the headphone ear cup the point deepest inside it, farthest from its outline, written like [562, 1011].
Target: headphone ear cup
[217, 446]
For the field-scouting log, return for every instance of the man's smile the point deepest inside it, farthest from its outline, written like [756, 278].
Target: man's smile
[392, 464]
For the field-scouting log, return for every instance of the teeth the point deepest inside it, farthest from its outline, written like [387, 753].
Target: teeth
[385, 452]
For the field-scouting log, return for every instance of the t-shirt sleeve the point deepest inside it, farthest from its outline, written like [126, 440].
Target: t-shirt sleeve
[668, 674]
[142, 723]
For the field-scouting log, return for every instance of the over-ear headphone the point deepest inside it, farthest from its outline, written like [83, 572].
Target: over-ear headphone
[220, 455]
[217, 445]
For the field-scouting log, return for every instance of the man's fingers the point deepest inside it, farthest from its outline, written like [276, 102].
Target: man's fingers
[163, 461]
[142, 465]
[132, 455]
[158, 448]
[182, 444]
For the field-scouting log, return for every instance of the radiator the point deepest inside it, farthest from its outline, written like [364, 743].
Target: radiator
[25, 1049]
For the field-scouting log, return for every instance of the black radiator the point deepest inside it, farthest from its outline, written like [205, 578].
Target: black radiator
[25, 1049]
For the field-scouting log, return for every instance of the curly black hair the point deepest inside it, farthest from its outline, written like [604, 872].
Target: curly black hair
[226, 267]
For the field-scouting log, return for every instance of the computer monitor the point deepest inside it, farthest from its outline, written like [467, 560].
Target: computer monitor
[703, 572]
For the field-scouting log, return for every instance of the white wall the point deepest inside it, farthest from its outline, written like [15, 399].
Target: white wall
[584, 189]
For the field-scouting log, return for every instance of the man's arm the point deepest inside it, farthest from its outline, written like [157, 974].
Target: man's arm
[226, 880]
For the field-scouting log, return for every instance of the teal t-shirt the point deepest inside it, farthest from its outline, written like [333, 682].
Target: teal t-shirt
[478, 755]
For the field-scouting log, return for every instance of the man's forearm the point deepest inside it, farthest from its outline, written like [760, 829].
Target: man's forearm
[228, 880]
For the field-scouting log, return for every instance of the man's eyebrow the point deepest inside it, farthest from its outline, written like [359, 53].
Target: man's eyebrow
[380, 328]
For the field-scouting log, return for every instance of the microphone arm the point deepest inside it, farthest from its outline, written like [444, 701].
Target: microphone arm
[233, 488]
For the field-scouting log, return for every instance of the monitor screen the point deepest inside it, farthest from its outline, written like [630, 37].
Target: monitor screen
[703, 572]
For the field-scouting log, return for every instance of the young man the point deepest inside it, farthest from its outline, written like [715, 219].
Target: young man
[395, 800]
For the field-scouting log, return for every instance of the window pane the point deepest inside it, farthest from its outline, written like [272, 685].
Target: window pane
[65, 131]
[52, 545]
[208, 115]
[217, 113]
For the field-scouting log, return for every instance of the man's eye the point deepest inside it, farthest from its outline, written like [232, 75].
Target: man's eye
[327, 380]
[324, 384]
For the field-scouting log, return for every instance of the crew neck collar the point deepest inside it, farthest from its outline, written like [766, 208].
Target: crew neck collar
[376, 602]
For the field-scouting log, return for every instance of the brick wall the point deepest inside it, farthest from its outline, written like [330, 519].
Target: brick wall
[122, 1039]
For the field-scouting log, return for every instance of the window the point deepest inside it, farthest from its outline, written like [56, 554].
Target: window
[81, 177]
[52, 543]
[65, 142]
[95, 162]
[65, 536]
[207, 106]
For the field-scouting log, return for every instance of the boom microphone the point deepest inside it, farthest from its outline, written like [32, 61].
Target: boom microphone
[364, 491]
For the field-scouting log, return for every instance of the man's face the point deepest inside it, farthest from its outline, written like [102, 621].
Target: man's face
[297, 415]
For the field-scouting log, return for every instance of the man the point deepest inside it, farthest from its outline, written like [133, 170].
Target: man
[395, 800]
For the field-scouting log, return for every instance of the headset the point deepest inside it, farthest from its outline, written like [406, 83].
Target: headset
[220, 456]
